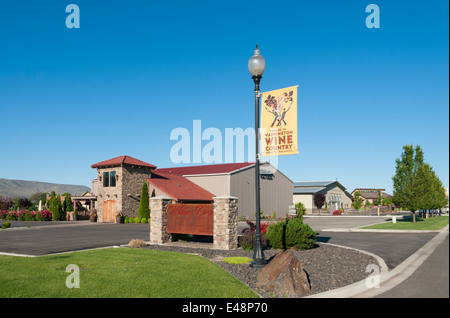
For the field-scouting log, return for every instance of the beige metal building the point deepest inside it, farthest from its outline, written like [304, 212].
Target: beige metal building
[238, 180]
[336, 195]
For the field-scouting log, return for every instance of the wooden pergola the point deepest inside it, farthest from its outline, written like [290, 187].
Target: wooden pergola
[87, 198]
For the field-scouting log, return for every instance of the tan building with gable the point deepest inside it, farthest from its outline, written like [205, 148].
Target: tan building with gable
[371, 194]
[336, 195]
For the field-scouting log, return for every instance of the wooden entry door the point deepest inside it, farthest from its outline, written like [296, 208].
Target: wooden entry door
[109, 211]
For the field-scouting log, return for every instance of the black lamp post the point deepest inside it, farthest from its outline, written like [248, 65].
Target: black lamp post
[256, 66]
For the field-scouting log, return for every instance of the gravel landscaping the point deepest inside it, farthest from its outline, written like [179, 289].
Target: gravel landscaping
[328, 267]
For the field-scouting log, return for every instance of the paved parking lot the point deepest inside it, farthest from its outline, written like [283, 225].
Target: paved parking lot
[42, 238]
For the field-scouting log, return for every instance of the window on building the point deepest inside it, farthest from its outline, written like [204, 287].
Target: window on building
[112, 179]
[109, 179]
[106, 179]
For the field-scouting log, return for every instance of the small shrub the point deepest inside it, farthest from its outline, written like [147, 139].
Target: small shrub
[248, 237]
[137, 243]
[299, 235]
[143, 220]
[126, 220]
[275, 235]
[6, 225]
[131, 220]
[237, 260]
[292, 233]
[300, 209]
[44, 215]
[137, 220]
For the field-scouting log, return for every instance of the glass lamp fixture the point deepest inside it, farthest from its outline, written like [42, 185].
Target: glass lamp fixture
[257, 63]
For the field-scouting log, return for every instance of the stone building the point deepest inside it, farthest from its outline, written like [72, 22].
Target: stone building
[119, 184]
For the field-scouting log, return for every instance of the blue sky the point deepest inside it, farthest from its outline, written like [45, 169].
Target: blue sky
[136, 70]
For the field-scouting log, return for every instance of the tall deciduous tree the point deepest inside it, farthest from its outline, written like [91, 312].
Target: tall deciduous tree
[144, 210]
[429, 189]
[406, 180]
[416, 185]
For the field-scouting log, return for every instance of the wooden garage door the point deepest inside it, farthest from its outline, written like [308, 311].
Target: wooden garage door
[109, 211]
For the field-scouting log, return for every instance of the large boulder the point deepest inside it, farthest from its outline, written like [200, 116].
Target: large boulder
[284, 276]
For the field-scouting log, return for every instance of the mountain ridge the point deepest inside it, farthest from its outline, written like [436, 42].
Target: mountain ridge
[12, 188]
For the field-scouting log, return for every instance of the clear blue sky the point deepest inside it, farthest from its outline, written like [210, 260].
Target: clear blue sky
[135, 70]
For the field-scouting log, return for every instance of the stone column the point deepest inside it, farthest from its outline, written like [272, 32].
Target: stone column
[158, 220]
[225, 222]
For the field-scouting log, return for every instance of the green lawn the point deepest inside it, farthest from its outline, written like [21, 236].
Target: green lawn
[433, 223]
[119, 272]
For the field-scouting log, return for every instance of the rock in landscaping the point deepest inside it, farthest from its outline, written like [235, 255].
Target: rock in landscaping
[284, 276]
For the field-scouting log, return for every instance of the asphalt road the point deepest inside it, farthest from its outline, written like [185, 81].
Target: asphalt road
[430, 280]
[49, 238]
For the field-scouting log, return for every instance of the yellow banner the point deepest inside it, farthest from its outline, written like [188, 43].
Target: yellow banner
[279, 122]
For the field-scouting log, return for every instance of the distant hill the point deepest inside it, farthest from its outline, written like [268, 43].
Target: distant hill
[22, 188]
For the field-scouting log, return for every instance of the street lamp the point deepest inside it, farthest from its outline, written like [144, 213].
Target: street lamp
[256, 66]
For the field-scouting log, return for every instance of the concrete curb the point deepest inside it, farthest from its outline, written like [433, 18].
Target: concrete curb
[388, 279]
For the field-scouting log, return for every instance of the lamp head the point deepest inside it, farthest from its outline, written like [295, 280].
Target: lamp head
[257, 63]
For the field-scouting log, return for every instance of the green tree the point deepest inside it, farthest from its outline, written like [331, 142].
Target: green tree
[300, 209]
[144, 210]
[357, 201]
[406, 180]
[429, 189]
[379, 198]
[58, 214]
[67, 204]
[38, 196]
[51, 201]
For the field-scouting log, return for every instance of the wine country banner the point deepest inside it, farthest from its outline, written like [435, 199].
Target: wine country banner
[279, 122]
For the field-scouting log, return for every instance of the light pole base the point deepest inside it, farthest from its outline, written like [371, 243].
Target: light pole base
[258, 263]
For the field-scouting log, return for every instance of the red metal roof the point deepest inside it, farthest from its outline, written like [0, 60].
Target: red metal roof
[179, 187]
[118, 161]
[206, 169]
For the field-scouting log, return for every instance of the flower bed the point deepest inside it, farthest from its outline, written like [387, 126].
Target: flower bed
[24, 215]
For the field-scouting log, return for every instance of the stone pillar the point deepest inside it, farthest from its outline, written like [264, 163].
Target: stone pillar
[225, 222]
[158, 220]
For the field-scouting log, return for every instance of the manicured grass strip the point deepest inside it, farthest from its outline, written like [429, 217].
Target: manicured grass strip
[237, 260]
[433, 224]
[119, 272]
